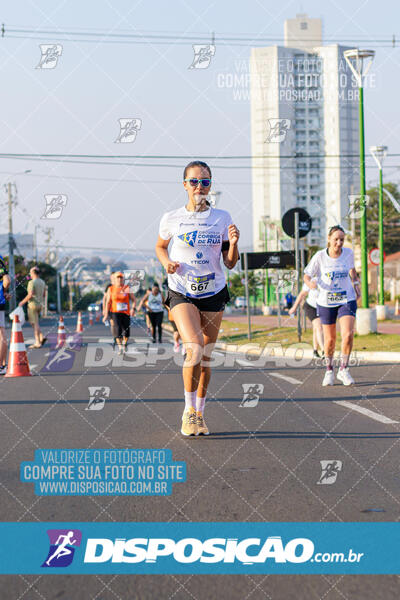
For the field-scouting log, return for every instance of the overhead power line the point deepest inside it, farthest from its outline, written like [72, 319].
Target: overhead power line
[134, 36]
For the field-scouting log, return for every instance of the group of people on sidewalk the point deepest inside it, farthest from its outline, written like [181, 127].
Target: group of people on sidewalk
[34, 298]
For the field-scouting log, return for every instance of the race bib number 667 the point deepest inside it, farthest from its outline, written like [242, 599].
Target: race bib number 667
[201, 285]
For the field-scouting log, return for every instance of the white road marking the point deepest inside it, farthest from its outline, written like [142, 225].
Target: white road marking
[365, 411]
[286, 378]
[244, 363]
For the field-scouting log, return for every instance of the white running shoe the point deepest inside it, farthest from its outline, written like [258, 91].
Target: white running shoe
[345, 377]
[329, 378]
[176, 347]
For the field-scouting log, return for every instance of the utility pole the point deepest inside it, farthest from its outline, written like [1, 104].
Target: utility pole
[11, 246]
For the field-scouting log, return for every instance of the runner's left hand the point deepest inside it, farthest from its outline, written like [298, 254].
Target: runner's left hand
[233, 235]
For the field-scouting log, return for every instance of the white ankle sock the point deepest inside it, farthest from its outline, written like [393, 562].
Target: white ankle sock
[190, 400]
[200, 403]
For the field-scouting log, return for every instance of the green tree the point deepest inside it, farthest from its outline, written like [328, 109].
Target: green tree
[237, 287]
[391, 220]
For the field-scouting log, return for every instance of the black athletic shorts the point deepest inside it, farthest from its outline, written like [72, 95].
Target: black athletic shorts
[214, 303]
[120, 324]
[311, 312]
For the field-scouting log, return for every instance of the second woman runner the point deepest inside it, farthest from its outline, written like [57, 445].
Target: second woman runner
[197, 291]
[339, 290]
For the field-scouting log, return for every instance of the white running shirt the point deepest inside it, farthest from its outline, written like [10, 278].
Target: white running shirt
[334, 283]
[155, 302]
[196, 244]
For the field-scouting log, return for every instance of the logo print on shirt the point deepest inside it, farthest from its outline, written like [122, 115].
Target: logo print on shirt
[189, 238]
[199, 255]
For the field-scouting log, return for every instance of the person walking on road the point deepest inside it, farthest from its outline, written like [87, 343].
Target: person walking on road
[332, 272]
[197, 291]
[105, 293]
[4, 285]
[118, 308]
[154, 302]
[35, 300]
[310, 308]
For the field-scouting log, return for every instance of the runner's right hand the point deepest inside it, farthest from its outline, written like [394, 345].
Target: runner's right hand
[172, 266]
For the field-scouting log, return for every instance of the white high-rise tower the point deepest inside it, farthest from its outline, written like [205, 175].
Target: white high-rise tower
[304, 127]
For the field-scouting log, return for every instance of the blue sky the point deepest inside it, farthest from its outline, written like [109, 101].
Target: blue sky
[75, 107]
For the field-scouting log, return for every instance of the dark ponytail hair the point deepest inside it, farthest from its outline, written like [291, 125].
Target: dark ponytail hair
[196, 163]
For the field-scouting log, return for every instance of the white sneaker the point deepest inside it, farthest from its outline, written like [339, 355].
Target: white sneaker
[329, 378]
[345, 377]
[3, 369]
[176, 347]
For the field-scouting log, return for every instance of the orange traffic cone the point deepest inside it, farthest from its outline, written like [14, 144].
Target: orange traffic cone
[79, 325]
[90, 319]
[98, 316]
[18, 365]
[396, 308]
[61, 335]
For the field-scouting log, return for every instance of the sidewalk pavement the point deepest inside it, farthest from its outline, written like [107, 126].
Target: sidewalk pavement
[286, 321]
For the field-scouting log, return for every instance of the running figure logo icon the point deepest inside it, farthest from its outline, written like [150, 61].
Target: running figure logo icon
[128, 130]
[62, 547]
[251, 394]
[278, 129]
[62, 359]
[330, 470]
[54, 206]
[97, 397]
[203, 54]
[50, 55]
[189, 238]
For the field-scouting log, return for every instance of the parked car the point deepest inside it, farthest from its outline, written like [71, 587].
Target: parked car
[240, 302]
[93, 307]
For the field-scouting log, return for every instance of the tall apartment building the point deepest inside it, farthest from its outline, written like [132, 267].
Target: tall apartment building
[304, 130]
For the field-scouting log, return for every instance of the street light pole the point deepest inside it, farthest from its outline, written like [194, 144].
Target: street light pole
[356, 60]
[360, 62]
[379, 153]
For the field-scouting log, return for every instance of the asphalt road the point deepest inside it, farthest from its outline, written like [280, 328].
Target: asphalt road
[260, 463]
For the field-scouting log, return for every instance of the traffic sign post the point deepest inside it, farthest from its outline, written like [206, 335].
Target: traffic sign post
[377, 258]
[297, 223]
[246, 287]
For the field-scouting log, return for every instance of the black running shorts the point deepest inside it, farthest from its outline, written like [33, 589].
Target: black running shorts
[215, 303]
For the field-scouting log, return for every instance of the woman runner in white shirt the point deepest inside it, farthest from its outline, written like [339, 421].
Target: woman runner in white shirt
[339, 289]
[197, 291]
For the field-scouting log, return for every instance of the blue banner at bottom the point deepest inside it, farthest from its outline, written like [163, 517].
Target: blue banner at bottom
[194, 548]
